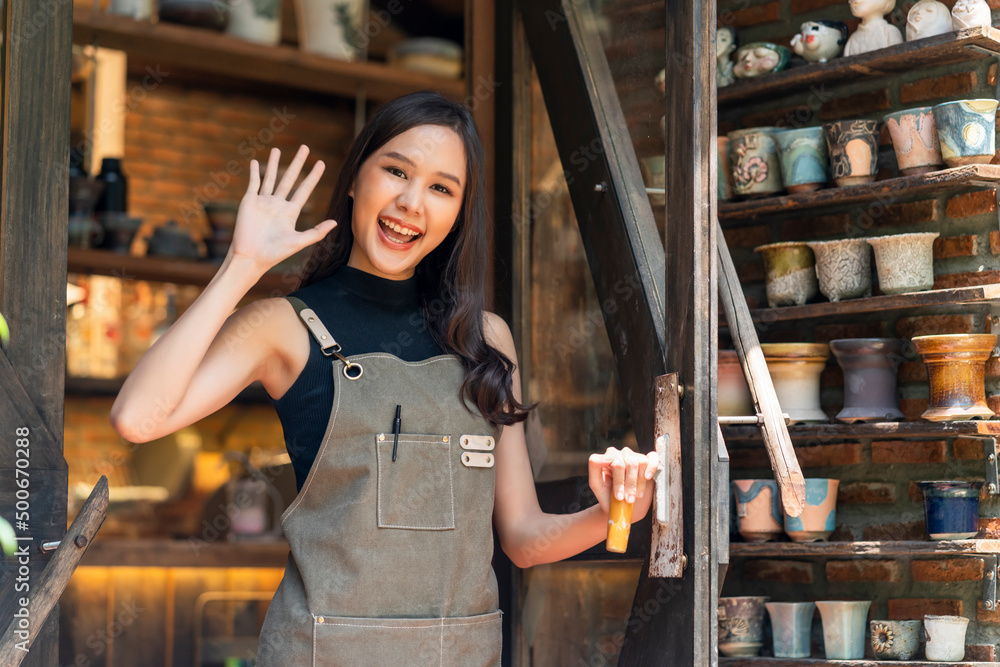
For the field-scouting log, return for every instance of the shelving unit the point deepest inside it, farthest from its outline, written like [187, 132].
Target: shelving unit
[122, 552]
[809, 662]
[108, 387]
[842, 549]
[916, 429]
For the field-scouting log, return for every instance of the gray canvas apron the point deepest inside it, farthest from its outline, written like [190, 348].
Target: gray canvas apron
[390, 561]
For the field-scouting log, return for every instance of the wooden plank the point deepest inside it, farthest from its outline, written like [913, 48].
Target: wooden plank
[218, 53]
[915, 429]
[857, 549]
[19, 410]
[120, 552]
[667, 545]
[882, 192]
[952, 47]
[83, 619]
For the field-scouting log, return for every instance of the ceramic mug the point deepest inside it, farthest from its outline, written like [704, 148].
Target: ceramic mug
[790, 271]
[896, 640]
[915, 140]
[951, 509]
[819, 517]
[945, 637]
[802, 154]
[754, 159]
[758, 509]
[853, 148]
[967, 131]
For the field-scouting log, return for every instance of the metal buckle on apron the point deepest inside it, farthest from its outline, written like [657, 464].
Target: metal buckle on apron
[352, 371]
[334, 351]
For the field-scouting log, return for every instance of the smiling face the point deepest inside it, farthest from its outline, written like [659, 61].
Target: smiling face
[407, 196]
[866, 9]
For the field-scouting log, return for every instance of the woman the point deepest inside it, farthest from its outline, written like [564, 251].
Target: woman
[393, 387]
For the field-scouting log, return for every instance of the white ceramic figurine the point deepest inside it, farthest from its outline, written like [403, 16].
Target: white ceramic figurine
[926, 19]
[725, 44]
[874, 32]
[970, 14]
[818, 41]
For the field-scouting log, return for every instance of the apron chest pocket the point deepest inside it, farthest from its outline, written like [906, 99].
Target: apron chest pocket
[416, 491]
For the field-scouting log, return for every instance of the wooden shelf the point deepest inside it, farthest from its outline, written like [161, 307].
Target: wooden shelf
[167, 270]
[832, 431]
[122, 552]
[109, 387]
[217, 53]
[811, 662]
[843, 549]
[950, 48]
[954, 179]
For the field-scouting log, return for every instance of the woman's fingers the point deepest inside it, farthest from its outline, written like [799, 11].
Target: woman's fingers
[307, 185]
[271, 172]
[254, 185]
[292, 173]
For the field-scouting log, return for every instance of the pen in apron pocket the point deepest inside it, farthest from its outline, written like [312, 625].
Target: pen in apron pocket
[396, 426]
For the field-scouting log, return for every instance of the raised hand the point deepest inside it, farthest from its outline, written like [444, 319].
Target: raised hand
[265, 224]
[627, 474]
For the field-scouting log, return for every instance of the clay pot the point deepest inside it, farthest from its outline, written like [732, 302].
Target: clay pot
[945, 637]
[844, 268]
[915, 140]
[951, 509]
[967, 131]
[331, 29]
[844, 629]
[956, 366]
[758, 510]
[795, 369]
[791, 624]
[725, 176]
[869, 366]
[896, 640]
[741, 625]
[733, 392]
[790, 270]
[819, 517]
[853, 149]
[905, 262]
[802, 154]
[753, 156]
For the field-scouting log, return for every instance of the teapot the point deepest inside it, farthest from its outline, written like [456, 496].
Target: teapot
[172, 240]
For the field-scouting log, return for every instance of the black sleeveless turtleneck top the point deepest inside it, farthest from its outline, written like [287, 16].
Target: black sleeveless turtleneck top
[365, 313]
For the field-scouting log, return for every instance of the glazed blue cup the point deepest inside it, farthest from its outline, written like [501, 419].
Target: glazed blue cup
[951, 509]
[802, 154]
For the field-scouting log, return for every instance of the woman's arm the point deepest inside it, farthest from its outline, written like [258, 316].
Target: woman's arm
[209, 354]
[530, 536]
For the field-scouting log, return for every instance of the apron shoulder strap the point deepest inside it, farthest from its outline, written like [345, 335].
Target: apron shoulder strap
[327, 344]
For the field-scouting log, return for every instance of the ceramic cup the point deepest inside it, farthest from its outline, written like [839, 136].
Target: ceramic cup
[870, 368]
[853, 149]
[791, 624]
[733, 392]
[790, 271]
[795, 369]
[843, 628]
[725, 175]
[967, 131]
[802, 154]
[753, 156]
[896, 640]
[741, 625]
[844, 268]
[758, 510]
[956, 369]
[951, 509]
[915, 141]
[945, 636]
[904, 262]
[819, 517]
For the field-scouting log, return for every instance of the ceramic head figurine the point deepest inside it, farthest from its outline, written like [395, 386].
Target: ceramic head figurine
[970, 14]
[926, 19]
[725, 44]
[874, 32]
[818, 41]
[759, 58]
[661, 86]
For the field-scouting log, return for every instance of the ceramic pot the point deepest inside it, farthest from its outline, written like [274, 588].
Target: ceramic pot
[802, 155]
[758, 510]
[741, 625]
[790, 272]
[791, 624]
[654, 176]
[819, 517]
[951, 509]
[795, 369]
[844, 268]
[140, 10]
[956, 367]
[945, 636]
[199, 13]
[896, 640]
[331, 27]
[255, 20]
[725, 176]
[853, 149]
[733, 392]
[753, 156]
[869, 366]
[843, 628]
[915, 141]
[904, 262]
[119, 230]
[967, 131]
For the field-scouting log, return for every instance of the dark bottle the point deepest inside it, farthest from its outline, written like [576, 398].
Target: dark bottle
[115, 193]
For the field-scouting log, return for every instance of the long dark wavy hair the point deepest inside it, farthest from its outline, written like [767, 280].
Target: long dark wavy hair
[450, 278]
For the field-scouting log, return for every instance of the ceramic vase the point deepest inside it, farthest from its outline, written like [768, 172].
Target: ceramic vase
[790, 272]
[956, 367]
[331, 27]
[791, 625]
[255, 20]
[853, 149]
[869, 366]
[795, 369]
[844, 268]
[819, 517]
[904, 262]
[915, 141]
[843, 629]
[945, 637]
[896, 640]
[753, 156]
[733, 393]
[951, 509]
[802, 155]
[725, 176]
[967, 131]
[741, 625]
[758, 510]
[138, 9]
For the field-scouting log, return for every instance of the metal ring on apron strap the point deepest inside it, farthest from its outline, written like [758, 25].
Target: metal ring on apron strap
[334, 351]
[347, 368]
